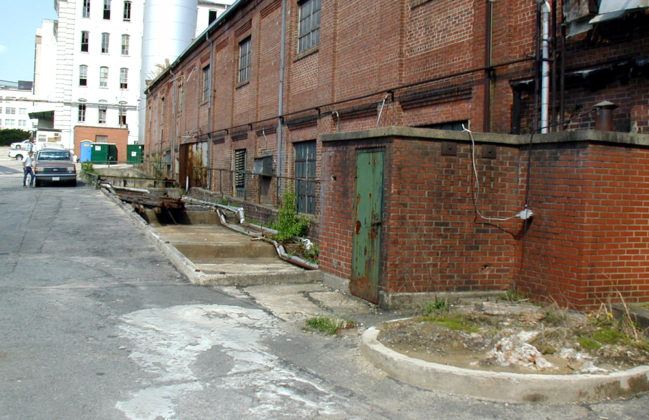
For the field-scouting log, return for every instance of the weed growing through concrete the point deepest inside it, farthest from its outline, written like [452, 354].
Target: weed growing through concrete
[289, 224]
[327, 325]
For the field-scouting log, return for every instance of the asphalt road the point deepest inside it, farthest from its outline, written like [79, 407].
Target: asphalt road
[96, 324]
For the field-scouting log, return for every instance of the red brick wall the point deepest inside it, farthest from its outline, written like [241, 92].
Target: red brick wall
[119, 136]
[587, 243]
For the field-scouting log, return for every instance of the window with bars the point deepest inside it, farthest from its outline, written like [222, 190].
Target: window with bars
[240, 172]
[103, 109]
[105, 39]
[127, 10]
[305, 175]
[107, 9]
[125, 44]
[207, 79]
[123, 78]
[83, 75]
[85, 11]
[82, 113]
[244, 60]
[103, 77]
[85, 38]
[309, 25]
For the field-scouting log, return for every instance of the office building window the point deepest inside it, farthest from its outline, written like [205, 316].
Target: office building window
[22, 123]
[121, 119]
[309, 25]
[85, 36]
[106, 9]
[125, 42]
[127, 10]
[244, 60]
[206, 83]
[82, 113]
[105, 39]
[83, 75]
[123, 78]
[103, 77]
[102, 114]
[10, 110]
[9, 123]
[86, 8]
[22, 111]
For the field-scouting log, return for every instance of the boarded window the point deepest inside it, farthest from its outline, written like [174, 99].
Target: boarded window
[305, 174]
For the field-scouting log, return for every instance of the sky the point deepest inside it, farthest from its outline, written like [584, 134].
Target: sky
[18, 23]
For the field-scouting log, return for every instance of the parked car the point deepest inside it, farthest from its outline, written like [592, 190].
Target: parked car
[21, 145]
[17, 154]
[54, 165]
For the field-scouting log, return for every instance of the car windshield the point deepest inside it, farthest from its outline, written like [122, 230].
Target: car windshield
[54, 155]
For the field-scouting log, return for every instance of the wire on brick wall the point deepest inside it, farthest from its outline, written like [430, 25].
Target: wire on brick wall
[523, 214]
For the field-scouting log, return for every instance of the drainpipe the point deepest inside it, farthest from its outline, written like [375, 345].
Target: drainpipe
[488, 81]
[280, 102]
[209, 114]
[545, 66]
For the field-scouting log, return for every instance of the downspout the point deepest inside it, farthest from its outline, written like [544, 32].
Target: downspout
[545, 66]
[553, 93]
[280, 103]
[174, 134]
[488, 81]
[209, 114]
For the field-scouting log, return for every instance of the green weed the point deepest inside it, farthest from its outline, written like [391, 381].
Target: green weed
[289, 223]
[454, 322]
[327, 325]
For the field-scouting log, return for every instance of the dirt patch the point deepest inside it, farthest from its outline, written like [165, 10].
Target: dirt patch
[518, 337]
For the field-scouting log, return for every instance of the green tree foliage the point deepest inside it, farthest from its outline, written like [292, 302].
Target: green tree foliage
[12, 135]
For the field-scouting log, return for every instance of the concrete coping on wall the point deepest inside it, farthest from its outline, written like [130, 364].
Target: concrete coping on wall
[503, 386]
[588, 136]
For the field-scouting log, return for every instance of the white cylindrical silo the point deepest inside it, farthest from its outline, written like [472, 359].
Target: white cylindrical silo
[169, 28]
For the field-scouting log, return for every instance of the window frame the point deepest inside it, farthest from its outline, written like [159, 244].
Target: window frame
[102, 113]
[123, 78]
[105, 42]
[81, 115]
[126, 14]
[245, 61]
[103, 78]
[121, 117]
[85, 41]
[126, 41]
[83, 75]
[206, 83]
[85, 9]
[308, 30]
[239, 176]
[106, 14]
[305, 161]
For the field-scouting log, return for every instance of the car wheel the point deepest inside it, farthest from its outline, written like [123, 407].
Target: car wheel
[37, 183]
[19, 157]
[73, 183]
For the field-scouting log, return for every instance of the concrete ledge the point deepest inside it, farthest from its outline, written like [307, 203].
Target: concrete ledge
[501, 386]
[416, 300]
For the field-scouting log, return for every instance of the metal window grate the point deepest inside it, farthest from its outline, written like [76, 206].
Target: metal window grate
[240, 172]
[305, 174]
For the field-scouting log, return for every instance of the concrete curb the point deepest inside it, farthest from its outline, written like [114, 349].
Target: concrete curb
[502, 386]
[196, 276]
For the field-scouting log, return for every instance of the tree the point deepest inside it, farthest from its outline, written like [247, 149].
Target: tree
[11, 135]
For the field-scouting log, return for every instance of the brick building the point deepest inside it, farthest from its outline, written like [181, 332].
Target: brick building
[244, 109]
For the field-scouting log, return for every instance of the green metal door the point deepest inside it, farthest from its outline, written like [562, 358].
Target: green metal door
[366, 251]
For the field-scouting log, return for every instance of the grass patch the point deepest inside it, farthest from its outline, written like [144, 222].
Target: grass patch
[327, 325]
[512, 295]
[588, 343]
[455, 322]
[434, 307]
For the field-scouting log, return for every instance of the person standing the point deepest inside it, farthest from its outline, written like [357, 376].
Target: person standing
[28, 163]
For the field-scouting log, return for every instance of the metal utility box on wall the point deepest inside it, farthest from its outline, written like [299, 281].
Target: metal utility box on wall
[135, 153]
[263, 166]
[103, 153]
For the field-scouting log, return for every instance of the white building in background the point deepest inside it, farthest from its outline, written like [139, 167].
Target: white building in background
[89, 62]
[16, 102]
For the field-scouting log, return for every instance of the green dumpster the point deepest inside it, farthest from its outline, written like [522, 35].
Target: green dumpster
[135, 153]
[103, 153]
